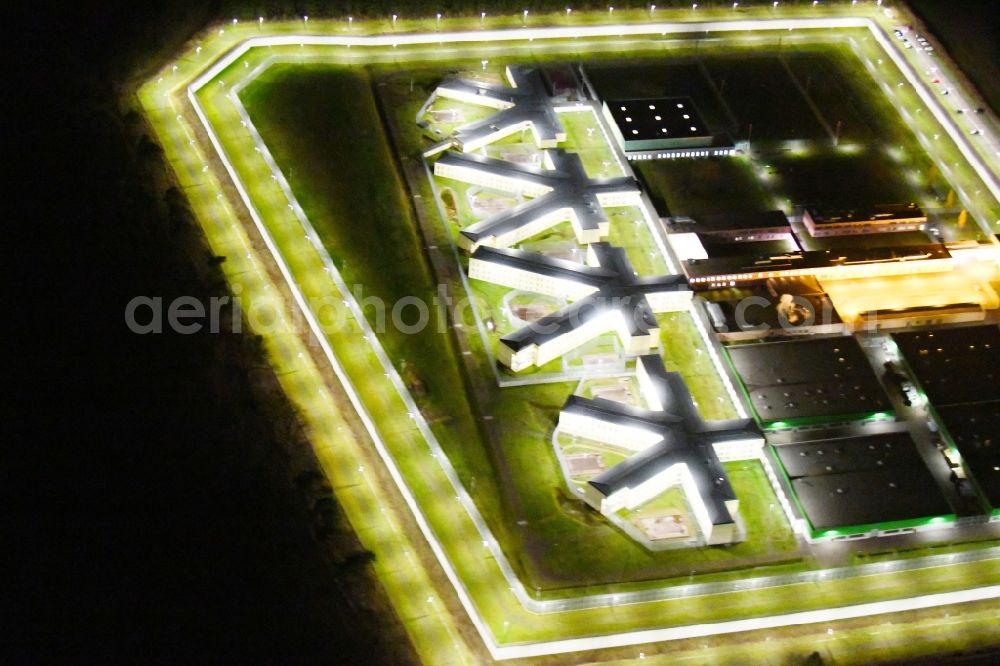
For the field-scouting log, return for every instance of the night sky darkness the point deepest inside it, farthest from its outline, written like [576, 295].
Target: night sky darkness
[147, 508]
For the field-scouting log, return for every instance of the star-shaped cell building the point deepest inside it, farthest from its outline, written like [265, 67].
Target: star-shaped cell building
[606, 295]
[525, 104]
[560, 192]
[669, 444]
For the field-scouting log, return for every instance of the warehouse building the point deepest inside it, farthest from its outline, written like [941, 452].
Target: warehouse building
[722, 271]
[811, 380]
[875, 220]
[862, 485]
[662, 128]
[735, 227]
[957, 369]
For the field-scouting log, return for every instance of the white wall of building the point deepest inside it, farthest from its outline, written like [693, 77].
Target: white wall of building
[631, 438]
[479, 99]
[523, 280]
[476, 176]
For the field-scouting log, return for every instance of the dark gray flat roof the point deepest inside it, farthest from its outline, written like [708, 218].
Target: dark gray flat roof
[544, 265]
[870, 496]
[849, 454]
[959, 370]
[660, 118]
[955, 365]
[808, 378]
[854, 480]
[975, 430]
[719, 246]
[738, 221]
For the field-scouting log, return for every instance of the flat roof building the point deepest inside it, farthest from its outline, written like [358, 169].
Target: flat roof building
[777, 307]
[607, 296]
[736, 227]
[974, 428]
[954, 365]
[561, 192]
[720, 271]
[809, 380]
[655, 124]
[878, 219]
[852, 485]
[526, 104]
[958, 370]
[670, 444]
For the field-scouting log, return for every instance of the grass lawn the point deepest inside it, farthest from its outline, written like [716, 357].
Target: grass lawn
[760, 92]
[702, 186]
[684, 351]
[833, 178]
[309, 118]
[440, 121]
[795, 162]
[309, 100]
[562, 542]
[837, 97]
[584, 136]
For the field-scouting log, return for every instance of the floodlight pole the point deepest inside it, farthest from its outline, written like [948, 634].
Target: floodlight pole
[836, 135]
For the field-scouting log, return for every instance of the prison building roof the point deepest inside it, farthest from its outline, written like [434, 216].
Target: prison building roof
[720, 223]
[975, 430]
[954, 365]
[525, 101]
[615, 287]
[848, 454]
[685, 438]
[870, 497]
[565, 188]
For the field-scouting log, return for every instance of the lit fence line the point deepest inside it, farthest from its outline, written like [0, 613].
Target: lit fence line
[552, 605]
[602, 600]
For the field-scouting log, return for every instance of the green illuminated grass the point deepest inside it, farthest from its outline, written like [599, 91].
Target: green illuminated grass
[684, 351]
[712, 185]
[584, 136]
